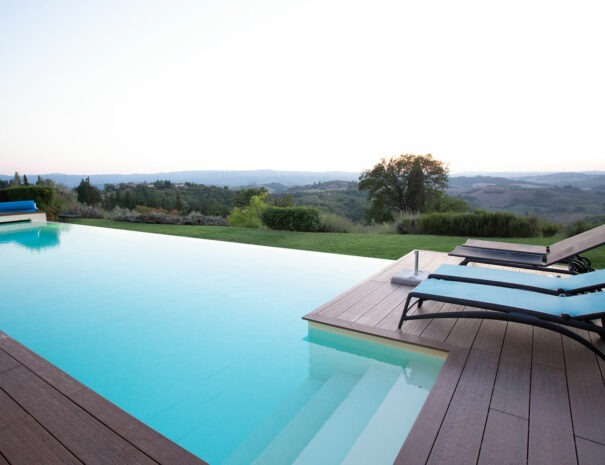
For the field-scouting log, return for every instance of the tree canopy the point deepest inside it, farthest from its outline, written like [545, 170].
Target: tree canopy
[87, 193]
[408, 183]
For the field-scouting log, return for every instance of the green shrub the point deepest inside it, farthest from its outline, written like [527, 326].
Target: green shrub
[578, 227]
[331, 222]
[250, 216]
[408, 224]
[303, 219]
[549, 229]
[478, 224]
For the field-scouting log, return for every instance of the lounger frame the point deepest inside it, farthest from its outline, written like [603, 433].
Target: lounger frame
[517, 285]
[506, 313]
[534, 257]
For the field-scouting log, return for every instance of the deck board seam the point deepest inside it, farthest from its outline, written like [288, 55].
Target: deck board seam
[590, 440]
[504, 412]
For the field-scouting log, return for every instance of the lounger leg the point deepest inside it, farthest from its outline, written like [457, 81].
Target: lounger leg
[406, 308]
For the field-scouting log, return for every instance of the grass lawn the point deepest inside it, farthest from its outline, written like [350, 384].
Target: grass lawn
[390, 246]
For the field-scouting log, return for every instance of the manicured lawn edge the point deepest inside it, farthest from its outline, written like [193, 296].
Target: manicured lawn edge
[389, 246]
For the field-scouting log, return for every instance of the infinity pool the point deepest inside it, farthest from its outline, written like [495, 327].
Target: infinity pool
[204, 342]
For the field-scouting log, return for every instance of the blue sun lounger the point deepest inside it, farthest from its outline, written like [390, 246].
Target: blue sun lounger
[574, 284]
[548, 311]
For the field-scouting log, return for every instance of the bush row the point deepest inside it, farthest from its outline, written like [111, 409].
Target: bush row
[477, 224]
[292, 218]
[193, 218]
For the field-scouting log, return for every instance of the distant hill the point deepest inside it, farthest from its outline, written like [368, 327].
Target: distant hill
[230, 179]
[580, 180]
[560, 197]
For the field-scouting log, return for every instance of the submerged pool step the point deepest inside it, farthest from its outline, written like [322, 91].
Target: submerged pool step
[293, 438]
[383, 436]
[340, 431]
[258, 440]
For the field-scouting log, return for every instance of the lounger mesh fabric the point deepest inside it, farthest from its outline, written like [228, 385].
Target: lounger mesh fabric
[575, 284]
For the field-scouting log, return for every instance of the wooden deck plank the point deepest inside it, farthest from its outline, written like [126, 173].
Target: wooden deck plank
[464, 331]
[547, 348]
[590, 453]
[419, 327]
[586, 391]
[421, 438]
[551, 438]
[345, 302]
[512, 387]
[77, 420]
[11, 411]
[364, 305]
[86, 437]
[148, 440]
[26, 442]
[459, 439]
[490, 336]
[438, 329]
[392, 303]
[505, 440]
[56, 378]
[7, 362]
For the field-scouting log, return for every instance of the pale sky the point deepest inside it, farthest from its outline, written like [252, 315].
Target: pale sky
[91, 87]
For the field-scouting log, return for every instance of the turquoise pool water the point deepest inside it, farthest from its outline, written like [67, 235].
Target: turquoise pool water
[204, 342]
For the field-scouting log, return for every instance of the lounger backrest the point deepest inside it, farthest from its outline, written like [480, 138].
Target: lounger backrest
[577, 244]
[28, 206]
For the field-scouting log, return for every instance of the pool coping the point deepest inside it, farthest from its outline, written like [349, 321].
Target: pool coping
[50, 417]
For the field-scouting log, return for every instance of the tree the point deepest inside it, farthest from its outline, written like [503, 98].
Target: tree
[408, 183]
[250, 216]
[242, 197]
[87, 193]
[16, 180]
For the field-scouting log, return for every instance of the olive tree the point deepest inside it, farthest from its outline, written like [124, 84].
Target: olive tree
[408, 183]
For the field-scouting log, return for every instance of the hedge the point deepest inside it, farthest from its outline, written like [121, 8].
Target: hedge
[303, 219]
[476, 224]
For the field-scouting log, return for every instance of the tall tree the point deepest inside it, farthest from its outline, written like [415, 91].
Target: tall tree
[87, 193]
[408, 183]
[416, 191]
[16, 179]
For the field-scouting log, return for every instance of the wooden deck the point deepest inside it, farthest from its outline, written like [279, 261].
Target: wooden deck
[47, 417]
[507, 394]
